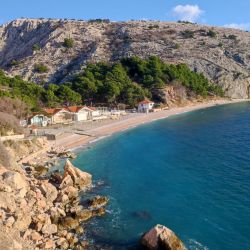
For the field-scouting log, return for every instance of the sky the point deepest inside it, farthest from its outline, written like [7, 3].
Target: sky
[231, 13]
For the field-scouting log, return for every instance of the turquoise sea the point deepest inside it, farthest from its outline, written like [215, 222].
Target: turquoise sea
[190, 172]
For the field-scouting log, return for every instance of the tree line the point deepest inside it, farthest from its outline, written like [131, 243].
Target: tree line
[127, 81]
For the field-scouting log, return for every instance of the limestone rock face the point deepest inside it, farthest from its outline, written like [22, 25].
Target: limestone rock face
[172, 95]
[223, 60]
[161, 237]
[80, 179]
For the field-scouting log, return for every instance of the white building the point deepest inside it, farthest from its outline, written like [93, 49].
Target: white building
[39, 120]
[95, 112]
[80, 113]
[59, 115]
[145, 106]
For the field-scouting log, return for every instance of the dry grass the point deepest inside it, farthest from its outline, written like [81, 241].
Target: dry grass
[14, 107]
[4, 156]
[9, 124]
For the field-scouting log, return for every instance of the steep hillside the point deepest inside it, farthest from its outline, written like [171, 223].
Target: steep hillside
[221, 54]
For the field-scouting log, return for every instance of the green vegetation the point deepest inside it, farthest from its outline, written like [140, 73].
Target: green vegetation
[99, 20]
[127, 39]
[220, 44]
[127, 81]
[34, 95]
[40, 68]
[151, 27]
[184, 22]
[14, 63]
[36, 47]
[177, 46]
[203, 43]
[211, 33]
[133, 79]
[187, 34]
[68, 43]
[232, 37]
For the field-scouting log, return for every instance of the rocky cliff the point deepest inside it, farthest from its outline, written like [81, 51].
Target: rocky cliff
[220, 53]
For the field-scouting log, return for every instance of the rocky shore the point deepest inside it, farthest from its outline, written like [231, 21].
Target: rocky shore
[44, 209]
[40, 211]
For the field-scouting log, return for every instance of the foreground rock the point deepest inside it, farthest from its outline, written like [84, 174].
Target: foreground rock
[75, 176]
[161, 237]
[46, 213]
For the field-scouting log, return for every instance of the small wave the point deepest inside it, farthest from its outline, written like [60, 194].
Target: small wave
[196, 245]
[98, 139]
[213, 224]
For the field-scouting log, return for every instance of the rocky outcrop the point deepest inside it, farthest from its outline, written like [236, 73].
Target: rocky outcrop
[67, 154]
[75, 176]
[173, 95]
[221, 56]
[161, 237]
[45, 213]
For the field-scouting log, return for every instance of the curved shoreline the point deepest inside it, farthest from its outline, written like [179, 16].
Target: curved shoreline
[75, 141]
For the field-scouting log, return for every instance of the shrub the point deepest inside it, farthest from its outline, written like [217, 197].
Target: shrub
[170, 32]
[184, 22]
[4, 156]
[99, 20]
[211, 33]
[14, 63]
[187, 34]
[156, 26]
[36, 47]
[220, 44]
[203, 43]
[177, 46]
[68, 43]
[127, 39]
[9, 123]
[232, 37]
[14, 107]
[40, 68]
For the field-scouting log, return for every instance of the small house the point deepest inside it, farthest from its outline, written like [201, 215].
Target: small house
[80, 113]
[95, 112]
[38, 120]
[145, 106]
[59, 115]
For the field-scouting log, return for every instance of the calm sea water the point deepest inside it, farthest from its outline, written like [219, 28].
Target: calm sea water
[190, 172]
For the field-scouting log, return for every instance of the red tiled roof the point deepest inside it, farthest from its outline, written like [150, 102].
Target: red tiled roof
[53, 111]
[76, 109]
[145, 102]
[92, 108]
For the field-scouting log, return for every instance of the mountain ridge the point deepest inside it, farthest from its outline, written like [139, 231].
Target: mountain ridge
[221, 54]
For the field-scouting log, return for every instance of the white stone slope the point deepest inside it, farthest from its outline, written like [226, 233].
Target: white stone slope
[224, 59]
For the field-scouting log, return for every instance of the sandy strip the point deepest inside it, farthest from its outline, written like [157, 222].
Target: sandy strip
[72, 141]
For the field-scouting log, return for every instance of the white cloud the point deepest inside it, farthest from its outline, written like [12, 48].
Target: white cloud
[187, 12]
[240, 26]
